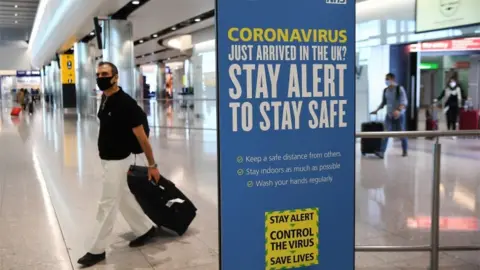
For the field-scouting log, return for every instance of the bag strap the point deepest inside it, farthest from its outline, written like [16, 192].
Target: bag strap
[384, 98]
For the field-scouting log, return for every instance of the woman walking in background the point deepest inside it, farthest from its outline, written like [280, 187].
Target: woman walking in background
[20, 97]
[453, 95]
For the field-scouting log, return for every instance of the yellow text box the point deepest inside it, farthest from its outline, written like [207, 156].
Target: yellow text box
[67, 67]
[291, 238]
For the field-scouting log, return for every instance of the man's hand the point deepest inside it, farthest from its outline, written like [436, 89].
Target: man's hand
[154, 174]
[396, 114]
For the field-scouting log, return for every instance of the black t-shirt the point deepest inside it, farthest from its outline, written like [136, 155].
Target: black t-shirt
[118, 114]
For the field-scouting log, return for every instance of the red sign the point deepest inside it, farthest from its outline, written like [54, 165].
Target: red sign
[464, 44]
[462, 64]
[446, 223]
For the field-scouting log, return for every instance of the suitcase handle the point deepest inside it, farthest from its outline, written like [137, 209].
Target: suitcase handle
[373, 116]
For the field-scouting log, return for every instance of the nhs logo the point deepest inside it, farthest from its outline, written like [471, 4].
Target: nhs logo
[340, 2]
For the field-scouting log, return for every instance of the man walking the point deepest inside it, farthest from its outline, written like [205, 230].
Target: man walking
[395, 98]
[121, 126]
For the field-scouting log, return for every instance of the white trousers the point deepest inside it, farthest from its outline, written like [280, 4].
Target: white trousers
[117, 196]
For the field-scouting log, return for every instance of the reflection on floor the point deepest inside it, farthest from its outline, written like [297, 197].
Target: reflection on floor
[49, 186]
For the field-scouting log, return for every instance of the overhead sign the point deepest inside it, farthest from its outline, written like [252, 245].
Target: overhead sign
[463, 44]
[67, 68]
[286, 73]
[27, 73]
[428, 66]
[434, 15]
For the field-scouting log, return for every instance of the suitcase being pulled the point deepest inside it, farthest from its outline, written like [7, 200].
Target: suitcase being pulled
[371, 145]
[164, 203]
[30, 107]
[469, 119]
[16, 111]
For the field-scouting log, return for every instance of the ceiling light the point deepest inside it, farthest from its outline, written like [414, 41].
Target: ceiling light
[136, 2]
[155, 35]
[16, 14]
[141, 41]
[16, 6]
[16, 21]
[174, 28]
[92, 33]
[198, 19]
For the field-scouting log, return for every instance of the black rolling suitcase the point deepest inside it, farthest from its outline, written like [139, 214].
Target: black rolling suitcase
[371, 145]
[164, 203]
[30, 107]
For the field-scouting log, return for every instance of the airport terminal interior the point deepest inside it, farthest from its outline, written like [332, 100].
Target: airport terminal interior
[166, 53]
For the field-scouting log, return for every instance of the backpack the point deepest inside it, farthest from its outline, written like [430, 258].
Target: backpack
[397, 94]
[136, 147]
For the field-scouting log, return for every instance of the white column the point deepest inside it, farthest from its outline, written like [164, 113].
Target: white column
[55, 83]
[118, 49]
[85, 76]
[138, 83]
[160, 79]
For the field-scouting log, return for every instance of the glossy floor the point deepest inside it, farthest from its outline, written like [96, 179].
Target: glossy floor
[49, 187]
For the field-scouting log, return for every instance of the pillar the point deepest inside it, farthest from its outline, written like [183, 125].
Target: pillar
[42, 80]
[187, 66]
[160, 80]
[198, 85]
[118, 49]
[178, 79]
[46, 77]
[85, 76]
[138, 83]
[56, 84]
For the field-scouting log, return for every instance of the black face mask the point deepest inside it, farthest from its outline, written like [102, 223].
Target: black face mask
[104, 83]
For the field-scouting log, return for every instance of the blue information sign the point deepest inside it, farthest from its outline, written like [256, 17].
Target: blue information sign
[286, 108]
[28, 73]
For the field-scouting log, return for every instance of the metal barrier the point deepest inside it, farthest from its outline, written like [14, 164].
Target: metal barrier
[172, 113]
[434, 248]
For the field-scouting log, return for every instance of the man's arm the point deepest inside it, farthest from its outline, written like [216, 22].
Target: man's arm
[144, 143]
[403, 99]
[384, 102]
[442, 94]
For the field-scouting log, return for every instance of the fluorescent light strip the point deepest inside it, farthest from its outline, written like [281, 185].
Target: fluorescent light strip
[36, 25]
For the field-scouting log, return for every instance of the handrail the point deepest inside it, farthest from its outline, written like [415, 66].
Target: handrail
[165, 99]
[177, 99]
[417, 134]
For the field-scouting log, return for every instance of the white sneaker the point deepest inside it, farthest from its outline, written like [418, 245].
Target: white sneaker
[454, 137]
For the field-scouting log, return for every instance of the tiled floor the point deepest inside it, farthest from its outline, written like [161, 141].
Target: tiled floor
[49, 186]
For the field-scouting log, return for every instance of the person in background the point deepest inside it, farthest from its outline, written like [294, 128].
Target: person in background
[26, 99]
[395, 99]
[21, 97]
[453, 95]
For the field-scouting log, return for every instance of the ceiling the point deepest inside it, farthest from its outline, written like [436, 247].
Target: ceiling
[16, 19]
[158, 15]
